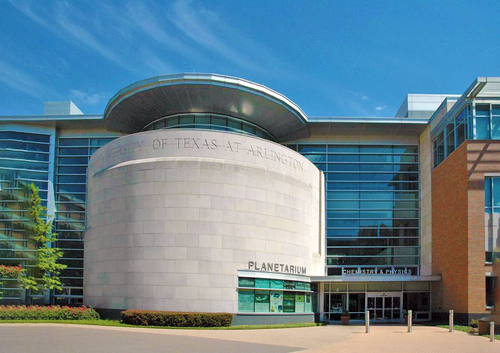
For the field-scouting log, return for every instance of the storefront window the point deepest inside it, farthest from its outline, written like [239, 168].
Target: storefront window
[268, 296]
[246, 282]
[289, 302]
[299, 303]
[261, 283]
[261, 301]
[276, 284]
[276, 302]
[246, 301]
[308, 305]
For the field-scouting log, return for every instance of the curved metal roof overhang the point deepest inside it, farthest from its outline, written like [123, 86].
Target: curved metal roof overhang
[135, 106]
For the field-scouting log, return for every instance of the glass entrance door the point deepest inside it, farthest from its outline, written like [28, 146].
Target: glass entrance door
[384, 307]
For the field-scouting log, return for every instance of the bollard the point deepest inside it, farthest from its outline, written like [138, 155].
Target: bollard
[492, 331]
[367, 321]
[410, 321]
[451, 320]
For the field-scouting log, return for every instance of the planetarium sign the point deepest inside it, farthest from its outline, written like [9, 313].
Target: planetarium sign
[276, 267]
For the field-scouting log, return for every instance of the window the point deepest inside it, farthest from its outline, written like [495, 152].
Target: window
[246, 299]
[439, 149]
[275, 296]
[450, 138]
[208, 121]
[487, 195]
[491, 283]
[482, 119]
[372, 191]
[492, 194]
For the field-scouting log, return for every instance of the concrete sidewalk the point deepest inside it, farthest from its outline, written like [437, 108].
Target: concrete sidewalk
[42, 338]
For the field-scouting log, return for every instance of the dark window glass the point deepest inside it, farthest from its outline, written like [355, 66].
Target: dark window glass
[73, 151]
[27, 146]
[343, 158]
[74, 160]
[376, 149]
[30, 156]
[234, 124]
[72, 170]
[312, 149]
[343, 149]
[482, 128]
[487, 195]
[483, 110]
[450, 138]
[495, 191]
[373, 261]
[73, 142]
[72, 179]
[24, 136]
[461, 134]
[495, 128]
[374, 158]
[315, 158]
[99, 142]
[405, 149]
[342, 195]
[490, 291]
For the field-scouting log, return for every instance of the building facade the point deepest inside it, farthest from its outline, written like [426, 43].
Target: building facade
[200, 192]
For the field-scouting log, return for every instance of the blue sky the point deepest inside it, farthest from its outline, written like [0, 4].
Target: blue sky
[332, 58]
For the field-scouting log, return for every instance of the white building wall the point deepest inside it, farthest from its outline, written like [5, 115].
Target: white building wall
[174, 214]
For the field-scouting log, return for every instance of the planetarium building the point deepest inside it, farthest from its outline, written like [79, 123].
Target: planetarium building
[208, 193]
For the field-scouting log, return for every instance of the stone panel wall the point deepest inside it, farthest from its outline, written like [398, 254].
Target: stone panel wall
[173, 214]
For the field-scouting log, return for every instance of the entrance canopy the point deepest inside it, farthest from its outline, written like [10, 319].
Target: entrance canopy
[376, 278]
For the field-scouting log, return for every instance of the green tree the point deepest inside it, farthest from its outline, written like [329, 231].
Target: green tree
[47, 256]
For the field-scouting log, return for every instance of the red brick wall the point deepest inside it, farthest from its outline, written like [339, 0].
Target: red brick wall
[458, 235]
[450, 232]
[483, 157]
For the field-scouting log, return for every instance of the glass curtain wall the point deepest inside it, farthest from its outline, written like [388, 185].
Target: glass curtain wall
[209, 122]
[484, 125]
[452, 136]
[372, 207]
[24, 159]
[73, 155]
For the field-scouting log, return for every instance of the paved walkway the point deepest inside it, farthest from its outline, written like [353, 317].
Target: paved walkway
[42, 338]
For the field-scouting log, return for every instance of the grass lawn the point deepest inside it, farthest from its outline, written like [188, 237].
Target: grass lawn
[464, 329]
[119, 324]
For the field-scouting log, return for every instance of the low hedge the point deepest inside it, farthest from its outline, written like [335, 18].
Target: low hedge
[54, 312]
[175, 319]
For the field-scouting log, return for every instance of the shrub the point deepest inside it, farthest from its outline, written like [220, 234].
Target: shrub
[175, 319]
[473, 323]
[11, 271]
[55, 312]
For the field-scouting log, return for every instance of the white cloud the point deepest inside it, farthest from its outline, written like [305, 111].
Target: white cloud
[359, 95]
[146, 19]
[87, 98]
[380, 107]
[158, 65]
[208, 30]
[28, 11]
[21, 81]
[86, 38]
